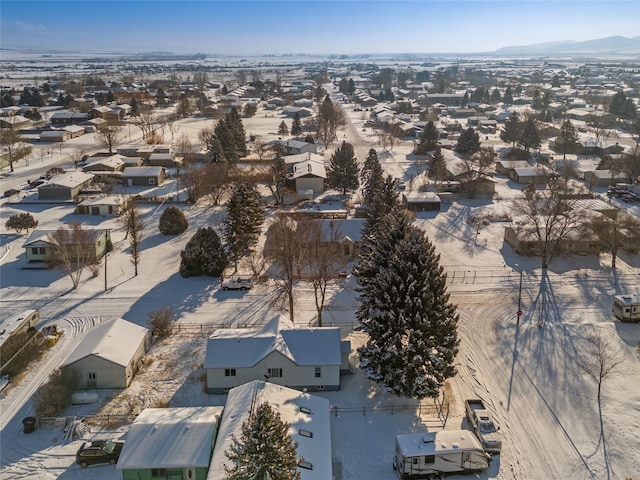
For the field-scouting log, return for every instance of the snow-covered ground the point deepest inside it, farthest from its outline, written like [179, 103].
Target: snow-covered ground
[546, 408]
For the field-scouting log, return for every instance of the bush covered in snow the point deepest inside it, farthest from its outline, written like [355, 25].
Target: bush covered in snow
[203, 255]
[173, 221]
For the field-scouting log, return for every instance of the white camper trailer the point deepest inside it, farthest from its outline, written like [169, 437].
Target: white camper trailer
[424, 455]
[627, 307]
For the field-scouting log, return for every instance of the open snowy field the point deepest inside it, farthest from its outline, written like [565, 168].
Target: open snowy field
[551, 424]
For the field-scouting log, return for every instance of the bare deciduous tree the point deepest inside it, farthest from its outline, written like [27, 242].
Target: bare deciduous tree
[74, 248]
[615, 230]
[548, 218]
[109, 136]
[161, 322]
[599, 360]
[285, 248]
[323, 259]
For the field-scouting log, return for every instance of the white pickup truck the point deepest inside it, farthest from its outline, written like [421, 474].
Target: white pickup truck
[482, 425]
[237, 283]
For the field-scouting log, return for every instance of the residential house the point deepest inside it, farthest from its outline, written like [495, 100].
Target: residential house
[168, 160]
[39, 246]
[14, 121]
[102, 205]
[604, 178]
[505, 167]
[302, 112]
[449, 99]
[54, 136]
[307, 416]
[301, 358]
[109, 355]
[421, 201]
[580, 241]
[308, 176]
[68, 118]
[296, 147]
[65, 187]
[143, 176]
[174, 443]
[112, 163]
[539, 175]
[347, 233]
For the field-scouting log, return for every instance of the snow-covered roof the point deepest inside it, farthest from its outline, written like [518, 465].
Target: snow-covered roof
[314, 449]
[243, 348]
[301, 157]
[421, 197]
[309, 167]
[349, 228]
[9, 325]
[69, 180]
[443, 441]
[170, 438]
[40, 237]
[113, 161]
[142, 171]
[103, 200]
[116, 341]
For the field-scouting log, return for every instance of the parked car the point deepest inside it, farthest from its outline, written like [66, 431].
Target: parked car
[99, 451]
[11, 192]
[237, 283]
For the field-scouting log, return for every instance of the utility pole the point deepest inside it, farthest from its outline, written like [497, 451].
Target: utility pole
[519, 299]
[106, 255]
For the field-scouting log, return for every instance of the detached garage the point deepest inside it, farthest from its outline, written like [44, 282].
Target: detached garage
[110, 355]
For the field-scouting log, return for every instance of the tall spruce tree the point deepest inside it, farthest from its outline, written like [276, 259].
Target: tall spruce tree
[296, 126]
[405, 311]
[370, 174]
[508, 96]
[428, 139]
[567, 139]
[437, 166]
[343, 169]
[468, 142]
[530, 138]
[245, 216]
[512, 130]
[203, 255]
[264, 450]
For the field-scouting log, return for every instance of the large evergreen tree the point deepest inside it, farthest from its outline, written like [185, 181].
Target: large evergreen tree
[342, 173]
[621, 106]
[567, 139]
[508, 96]
[468, 142]
[428, 139]
[437, 166]
[264, 450]
[296, 126]
[203, 255]
[405, 311]
[512, 130]
[370, 175]
[530, 138]
[243, 224]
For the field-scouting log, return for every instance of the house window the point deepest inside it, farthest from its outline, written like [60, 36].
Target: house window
[414, 460]
[152, 181]
[34, 250]
[429, 459]
[42, 251]
[306, 410]
[274, 373]
[305, 433]
[305, 465]
[159, 472]
[92, 375]
[318, 372]
[229, 372]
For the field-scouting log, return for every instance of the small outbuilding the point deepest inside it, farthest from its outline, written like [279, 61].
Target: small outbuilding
[110, 355]
[143, 176]
[421, 201]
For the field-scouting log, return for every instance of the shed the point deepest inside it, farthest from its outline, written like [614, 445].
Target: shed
[170, 443]
[295, 147]
[143, 176]
[109, 355]
[604, 178]
[421, 201]
[102, 205]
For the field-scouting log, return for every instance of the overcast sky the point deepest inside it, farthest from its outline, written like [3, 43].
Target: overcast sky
[314, 27]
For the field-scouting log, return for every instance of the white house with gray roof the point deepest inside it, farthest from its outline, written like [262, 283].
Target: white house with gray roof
[109, 355]
[300, 358]
[307, 416]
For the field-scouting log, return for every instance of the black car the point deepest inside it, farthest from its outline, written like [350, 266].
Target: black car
[11, 192]
[99, 451]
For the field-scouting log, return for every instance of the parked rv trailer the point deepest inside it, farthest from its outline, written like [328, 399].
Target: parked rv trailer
[627, 307]
[424, 455]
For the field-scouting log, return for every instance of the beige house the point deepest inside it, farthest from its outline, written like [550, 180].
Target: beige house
[578, 242]
[109, 356]
[39, 246]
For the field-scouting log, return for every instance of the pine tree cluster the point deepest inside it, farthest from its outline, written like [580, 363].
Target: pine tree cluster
[203, 255]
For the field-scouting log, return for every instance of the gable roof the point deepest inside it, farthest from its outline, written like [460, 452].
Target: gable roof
[245, 347]
[242, 401]
[309, 167]
[116, 341]
[142, 171]
[170, 438]
[41, 238]
[68, 180]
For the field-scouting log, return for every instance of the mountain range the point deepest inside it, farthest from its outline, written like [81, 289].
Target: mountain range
[602, 46]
